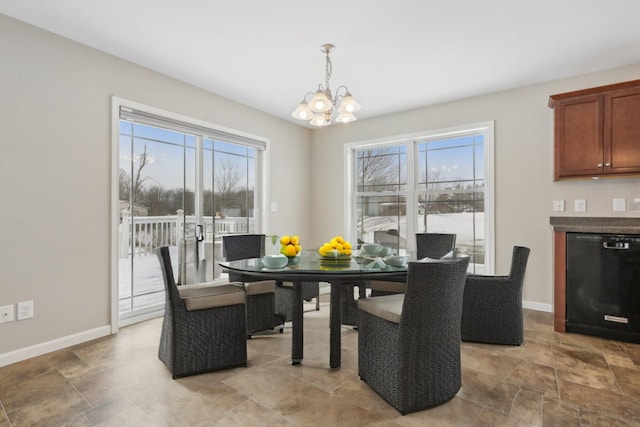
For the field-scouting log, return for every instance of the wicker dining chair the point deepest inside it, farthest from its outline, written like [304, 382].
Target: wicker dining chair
[492, 309]
[260, 294]
[428, 245]
[203, 327]
[409, 344]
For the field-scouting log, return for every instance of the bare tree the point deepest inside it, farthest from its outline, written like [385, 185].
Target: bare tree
[226, 177]
[139, 180]
[226, 184]
[376, 168]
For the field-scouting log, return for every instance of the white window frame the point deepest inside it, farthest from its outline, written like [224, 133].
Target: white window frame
[261, 188]
[411, 141]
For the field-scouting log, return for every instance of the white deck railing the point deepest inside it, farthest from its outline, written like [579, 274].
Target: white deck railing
[150, 232]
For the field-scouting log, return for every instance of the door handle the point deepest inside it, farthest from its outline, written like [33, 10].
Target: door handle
[622, 246]
[199, 233]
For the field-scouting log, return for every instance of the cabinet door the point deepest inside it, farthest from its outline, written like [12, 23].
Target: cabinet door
[579, 137]
[622, 131]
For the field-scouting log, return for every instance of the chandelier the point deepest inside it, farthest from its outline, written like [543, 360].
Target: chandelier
[322, 106]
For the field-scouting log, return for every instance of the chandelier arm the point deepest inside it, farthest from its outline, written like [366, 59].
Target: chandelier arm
[339, 97]
[304, 98]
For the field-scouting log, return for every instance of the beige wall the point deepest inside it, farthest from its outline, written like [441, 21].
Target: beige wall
[55, 154]
[524, 187]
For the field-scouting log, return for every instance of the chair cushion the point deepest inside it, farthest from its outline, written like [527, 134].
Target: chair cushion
[260, 287]
[200, 296]
[387, 286]
[387, 307]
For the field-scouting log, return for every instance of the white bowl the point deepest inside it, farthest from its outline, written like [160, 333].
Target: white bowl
[396, 261]
[372, 248]
[275, 261]
[384, 251]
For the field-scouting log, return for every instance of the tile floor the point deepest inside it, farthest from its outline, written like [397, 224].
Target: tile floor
[552, 380]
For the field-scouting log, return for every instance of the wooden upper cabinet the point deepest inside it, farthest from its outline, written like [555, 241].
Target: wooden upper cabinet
[597, 131]
[622, 131]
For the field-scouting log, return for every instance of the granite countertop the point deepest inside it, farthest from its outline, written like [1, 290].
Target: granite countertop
[622, 225]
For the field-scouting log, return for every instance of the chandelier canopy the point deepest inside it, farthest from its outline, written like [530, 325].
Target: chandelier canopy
[322, 106]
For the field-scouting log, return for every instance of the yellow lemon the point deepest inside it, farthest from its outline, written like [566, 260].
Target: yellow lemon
[290, 250]
[339, 247]
[298, 248]
[339, 239]
[284, 240]
[346, 245]
[295, 240]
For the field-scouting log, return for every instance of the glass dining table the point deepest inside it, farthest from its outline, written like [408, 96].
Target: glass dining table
[310, 266]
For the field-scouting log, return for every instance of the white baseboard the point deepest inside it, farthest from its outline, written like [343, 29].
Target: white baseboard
[53, 345]
[538, 306]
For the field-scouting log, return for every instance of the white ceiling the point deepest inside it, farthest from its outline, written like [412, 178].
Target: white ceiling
[393, 56]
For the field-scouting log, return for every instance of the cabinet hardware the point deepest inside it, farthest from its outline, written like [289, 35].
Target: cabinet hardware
[599, 165]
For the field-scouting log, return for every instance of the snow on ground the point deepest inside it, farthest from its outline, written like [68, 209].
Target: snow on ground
[461, 224]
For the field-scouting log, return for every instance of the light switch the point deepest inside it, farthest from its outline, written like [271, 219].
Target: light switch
[619, 205]
[558, 205]
[580, 205]
[274, 207]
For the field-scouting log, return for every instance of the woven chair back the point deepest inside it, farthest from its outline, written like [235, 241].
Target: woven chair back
[434, 245]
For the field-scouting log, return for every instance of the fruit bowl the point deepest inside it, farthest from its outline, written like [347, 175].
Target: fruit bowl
[275, 261]
[335, 260]
[336, 249]
[293, 260]
[336, 256]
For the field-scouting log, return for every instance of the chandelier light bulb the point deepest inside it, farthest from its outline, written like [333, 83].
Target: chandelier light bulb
[320, 119]
[350, 104]
[302, 112]
[320, 103]
[346, 117]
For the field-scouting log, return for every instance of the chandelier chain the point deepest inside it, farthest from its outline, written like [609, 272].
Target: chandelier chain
[329, 70]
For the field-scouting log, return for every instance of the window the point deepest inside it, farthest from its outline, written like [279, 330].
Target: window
[438, 182]
[380, 195]
[181, 184]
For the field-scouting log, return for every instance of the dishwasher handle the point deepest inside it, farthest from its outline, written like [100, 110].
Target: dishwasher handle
[616, 245]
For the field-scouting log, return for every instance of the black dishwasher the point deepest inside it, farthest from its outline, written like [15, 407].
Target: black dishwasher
[603, 285]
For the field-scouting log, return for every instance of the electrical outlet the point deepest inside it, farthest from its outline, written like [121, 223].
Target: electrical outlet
[558, 205]
[6, 313]
[580, 205]
[25, 310]
[619, 205]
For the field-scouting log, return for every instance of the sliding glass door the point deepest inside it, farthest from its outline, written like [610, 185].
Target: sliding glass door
[182, 189]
